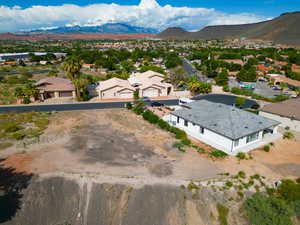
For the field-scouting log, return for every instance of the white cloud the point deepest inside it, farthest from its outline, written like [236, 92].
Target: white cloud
[147, 14]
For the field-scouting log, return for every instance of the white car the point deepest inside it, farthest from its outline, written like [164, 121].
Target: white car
[183, 101]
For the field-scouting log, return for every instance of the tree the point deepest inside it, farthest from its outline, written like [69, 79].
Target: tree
[247, 74]
[177, 77]
[196, 87]
[222, 78]
[239, 101]
[264, 210]
[72, 66]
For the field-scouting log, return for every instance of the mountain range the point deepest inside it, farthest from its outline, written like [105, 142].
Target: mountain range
[284, 29]
[109, 28]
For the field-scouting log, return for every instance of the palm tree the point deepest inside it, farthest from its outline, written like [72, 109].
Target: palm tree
[194, 85]
[80, 83]
[72, 65]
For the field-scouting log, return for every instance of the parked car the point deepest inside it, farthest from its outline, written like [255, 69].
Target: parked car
[156, 104]
[183, 101]
[276, 88]
[146, 99]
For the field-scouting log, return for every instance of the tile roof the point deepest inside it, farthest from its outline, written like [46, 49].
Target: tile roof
[289, 108]
[225, 120]
[55, 84]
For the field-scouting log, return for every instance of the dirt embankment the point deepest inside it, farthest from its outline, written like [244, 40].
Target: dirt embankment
[80, 201]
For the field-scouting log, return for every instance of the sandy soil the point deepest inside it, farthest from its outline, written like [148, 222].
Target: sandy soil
[117, 143]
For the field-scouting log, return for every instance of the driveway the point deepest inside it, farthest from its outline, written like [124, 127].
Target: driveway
[224, 99]
[263, 89]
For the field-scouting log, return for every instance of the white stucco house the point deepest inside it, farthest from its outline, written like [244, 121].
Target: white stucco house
[149, 84]
[224, 127]
[287, 113]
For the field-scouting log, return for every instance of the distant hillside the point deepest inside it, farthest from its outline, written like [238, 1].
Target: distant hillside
[284, 29]
[175, 33]
[110, 28]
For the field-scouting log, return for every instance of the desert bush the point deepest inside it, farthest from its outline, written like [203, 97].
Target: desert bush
[223, 212]
[288, 135]
[192, 186]
[218, 154]
[186, 141]
[266, 148]
[265, 210]
[241, 174]
[241, 155]
[18, 136]
[129, 106]
[11, 127]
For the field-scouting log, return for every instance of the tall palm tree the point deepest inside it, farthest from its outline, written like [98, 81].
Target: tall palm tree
[72, 65]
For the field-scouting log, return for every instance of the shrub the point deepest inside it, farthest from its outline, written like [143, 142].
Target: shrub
[11, 127]
[288, 135]
[186, 141]
[241, 155]
[264, 210]
[192, 186]
[242, 174]
[41, 123]
[226, 88]
[266, 148]
[129, 106]
[229, 184]
[163, 124]
[223, 214]
[150, 116]
[18, 136]
[177, 145]
[289, 190]
[218, 154]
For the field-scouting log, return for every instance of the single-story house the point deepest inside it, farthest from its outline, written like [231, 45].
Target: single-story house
[224, 127]
[55, 87]
[279, 78]
[287, 112]
[149, 84]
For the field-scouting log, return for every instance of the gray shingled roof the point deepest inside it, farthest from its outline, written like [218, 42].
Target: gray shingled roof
[226, 120]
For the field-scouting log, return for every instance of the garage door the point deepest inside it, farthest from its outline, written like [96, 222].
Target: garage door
[151, 92]
[126, 94]
[65, 94]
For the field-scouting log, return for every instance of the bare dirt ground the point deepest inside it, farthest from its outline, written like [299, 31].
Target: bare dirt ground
[119, 144]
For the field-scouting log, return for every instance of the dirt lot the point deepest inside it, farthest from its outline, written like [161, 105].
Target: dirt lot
[118, 144]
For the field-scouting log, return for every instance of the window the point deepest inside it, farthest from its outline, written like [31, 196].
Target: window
[186, 123]
[201, 130]
[178, 119]
[236, 143]
[252, 137]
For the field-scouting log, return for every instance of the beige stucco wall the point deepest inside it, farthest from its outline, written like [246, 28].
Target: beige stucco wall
[285, 122]
[110, 93]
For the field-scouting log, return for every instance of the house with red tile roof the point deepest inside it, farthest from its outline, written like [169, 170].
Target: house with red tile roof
[296, 68]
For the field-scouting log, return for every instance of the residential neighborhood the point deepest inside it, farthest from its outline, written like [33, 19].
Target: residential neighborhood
[148, 130]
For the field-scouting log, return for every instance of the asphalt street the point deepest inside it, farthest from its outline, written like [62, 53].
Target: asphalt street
[74, 106]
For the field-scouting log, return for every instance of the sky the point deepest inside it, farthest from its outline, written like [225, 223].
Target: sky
[23, 15]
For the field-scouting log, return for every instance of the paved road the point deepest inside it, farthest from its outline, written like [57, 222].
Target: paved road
[191, 70]
[75, 106]
[224, 99]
